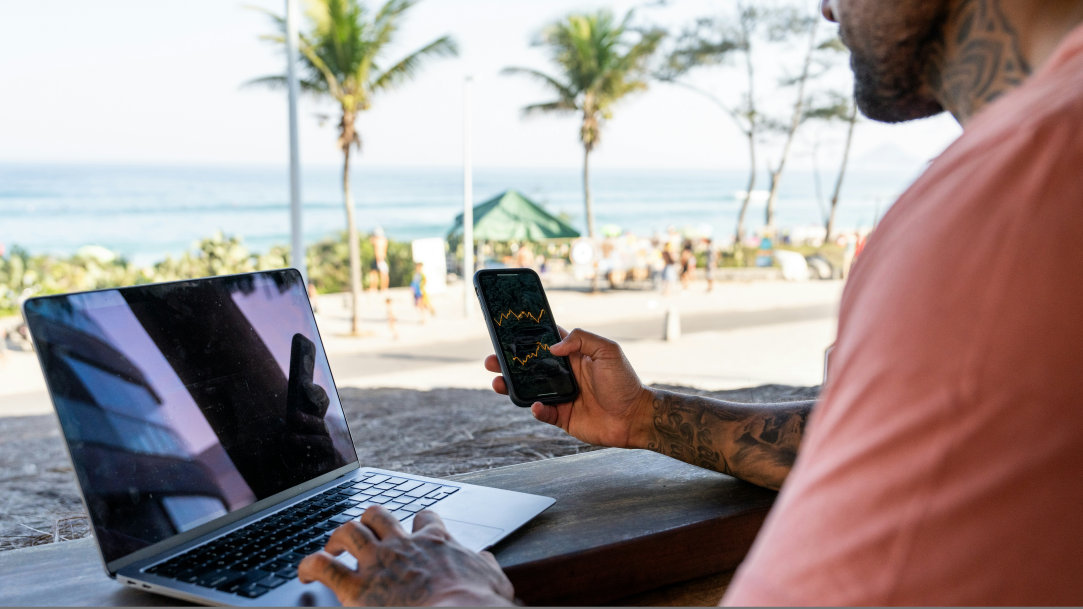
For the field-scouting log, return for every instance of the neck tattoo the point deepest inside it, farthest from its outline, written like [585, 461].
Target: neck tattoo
[980, 58]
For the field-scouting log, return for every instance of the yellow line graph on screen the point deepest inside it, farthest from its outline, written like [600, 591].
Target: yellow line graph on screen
[500, 319]
[529, 356]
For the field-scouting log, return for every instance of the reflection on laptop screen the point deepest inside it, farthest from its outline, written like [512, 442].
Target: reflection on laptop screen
[181, 402]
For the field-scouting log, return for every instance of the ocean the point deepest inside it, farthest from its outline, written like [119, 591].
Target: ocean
[145, 213]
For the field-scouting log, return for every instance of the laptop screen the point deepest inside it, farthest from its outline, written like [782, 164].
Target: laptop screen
[182, 402]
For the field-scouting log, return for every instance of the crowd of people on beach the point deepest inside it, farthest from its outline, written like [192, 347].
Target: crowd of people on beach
[672, 261]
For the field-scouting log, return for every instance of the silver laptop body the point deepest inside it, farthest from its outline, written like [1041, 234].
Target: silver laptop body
[209, 442]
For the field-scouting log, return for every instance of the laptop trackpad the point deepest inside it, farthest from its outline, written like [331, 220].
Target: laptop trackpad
[476, 537]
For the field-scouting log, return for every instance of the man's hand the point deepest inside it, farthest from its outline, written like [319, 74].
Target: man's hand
[754, 442]
[306, 406]
[613, 407]
[394, 568]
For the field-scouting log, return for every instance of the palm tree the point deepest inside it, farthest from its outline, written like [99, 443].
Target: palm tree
[341, 56]
[600, 62]
[709, 42]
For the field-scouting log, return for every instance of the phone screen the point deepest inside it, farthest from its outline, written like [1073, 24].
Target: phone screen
[523, 329]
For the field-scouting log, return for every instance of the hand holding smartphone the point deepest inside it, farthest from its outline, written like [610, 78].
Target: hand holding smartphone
[522, 328]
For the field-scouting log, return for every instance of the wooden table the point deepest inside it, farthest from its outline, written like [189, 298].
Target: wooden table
[628, 527]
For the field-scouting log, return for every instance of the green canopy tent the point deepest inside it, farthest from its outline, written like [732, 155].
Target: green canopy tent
[510, 216]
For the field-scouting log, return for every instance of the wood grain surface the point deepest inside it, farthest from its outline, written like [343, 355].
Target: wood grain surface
[628, 527]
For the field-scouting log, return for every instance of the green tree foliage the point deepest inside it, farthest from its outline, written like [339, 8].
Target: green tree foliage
[218, 255]
[329, 271]
[600, 62]
[343, 48]
[711, 42]
[23, 275]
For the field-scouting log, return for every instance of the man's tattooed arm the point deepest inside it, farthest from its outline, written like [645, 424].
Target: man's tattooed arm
[755, 442]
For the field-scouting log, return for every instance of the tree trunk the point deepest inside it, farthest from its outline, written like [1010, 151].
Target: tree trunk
[354, 245]
[589, 209]
[753, 124]
[746, 33]
[586, 192]
[830, 227]
[795, 122]
[772, 198]
[739, 234]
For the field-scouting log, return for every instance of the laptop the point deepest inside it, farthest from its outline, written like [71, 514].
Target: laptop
[209, 443]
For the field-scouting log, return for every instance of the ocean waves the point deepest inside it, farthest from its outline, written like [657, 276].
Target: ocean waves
[148, 213]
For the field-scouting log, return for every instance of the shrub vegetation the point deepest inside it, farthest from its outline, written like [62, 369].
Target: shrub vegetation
[23, 274]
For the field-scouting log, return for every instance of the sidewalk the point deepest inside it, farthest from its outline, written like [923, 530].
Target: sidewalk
[740, 335]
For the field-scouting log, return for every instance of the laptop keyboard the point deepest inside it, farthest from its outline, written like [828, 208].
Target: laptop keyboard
[263, 555]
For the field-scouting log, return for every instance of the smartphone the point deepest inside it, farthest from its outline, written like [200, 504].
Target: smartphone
[521, 325]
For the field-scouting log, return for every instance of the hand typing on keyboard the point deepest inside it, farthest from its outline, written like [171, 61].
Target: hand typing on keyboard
[425, 567]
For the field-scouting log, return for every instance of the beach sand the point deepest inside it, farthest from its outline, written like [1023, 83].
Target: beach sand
[421, 402]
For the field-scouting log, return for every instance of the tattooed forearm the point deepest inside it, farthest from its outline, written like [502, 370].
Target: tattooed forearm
[980, 58]
[754, 442]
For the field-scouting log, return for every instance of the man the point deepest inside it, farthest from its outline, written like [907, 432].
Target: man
[941, 465]
[379, 272]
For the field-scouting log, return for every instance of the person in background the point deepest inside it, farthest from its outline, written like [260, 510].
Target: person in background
[941, 464]
[391, 319]
[688, 264]
[670, 267]
[712, 263]
[524, 256]
[379, 272]
[765, 253]
[421, 294]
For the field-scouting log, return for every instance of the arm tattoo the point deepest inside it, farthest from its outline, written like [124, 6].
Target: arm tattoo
[754, 442]
[982, 60]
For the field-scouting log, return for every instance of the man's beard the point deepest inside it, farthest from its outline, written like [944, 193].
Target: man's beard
[891, 97]
[893, 86]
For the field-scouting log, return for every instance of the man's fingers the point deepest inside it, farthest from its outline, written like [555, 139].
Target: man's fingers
[563, 332]
[322, 567]
[430, 523]
[303, 421]
[317, 399]
[493, 365]
[488, 557]
[501, 583]
[545, 413]
[426, 518]
[581, 341]
[382, 523]
[351, 537]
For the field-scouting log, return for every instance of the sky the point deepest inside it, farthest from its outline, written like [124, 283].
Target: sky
[130, 81]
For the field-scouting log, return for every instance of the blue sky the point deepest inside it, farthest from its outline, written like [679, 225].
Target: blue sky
[124, 81]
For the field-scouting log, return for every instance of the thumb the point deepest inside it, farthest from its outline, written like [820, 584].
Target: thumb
[580, 341]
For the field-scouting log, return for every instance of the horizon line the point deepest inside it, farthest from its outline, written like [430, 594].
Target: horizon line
[358, 164]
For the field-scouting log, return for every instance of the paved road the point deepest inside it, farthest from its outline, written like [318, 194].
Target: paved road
[473, 350]
[410, 358]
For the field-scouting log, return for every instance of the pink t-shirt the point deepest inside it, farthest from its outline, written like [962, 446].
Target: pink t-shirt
[944, 463]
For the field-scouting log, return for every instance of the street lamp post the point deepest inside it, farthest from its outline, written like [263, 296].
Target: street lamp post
[468, 202]
[297, 240]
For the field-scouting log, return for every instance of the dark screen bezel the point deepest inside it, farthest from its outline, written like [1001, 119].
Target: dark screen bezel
[115, 564]
[516, 397]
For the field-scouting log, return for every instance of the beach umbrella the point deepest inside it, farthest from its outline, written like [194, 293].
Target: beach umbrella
[510, 216]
